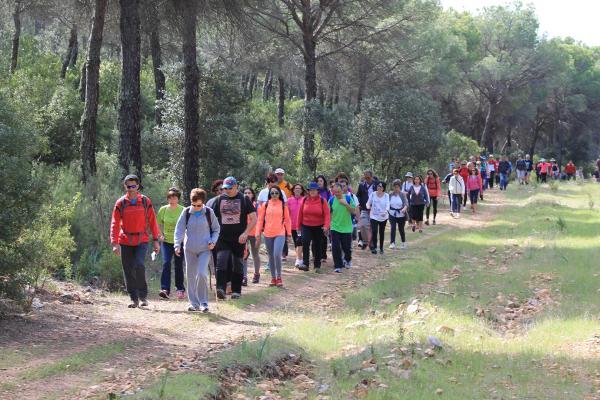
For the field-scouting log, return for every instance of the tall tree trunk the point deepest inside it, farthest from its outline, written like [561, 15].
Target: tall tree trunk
[16, 36]
[129, 96]
[487, 139]
[92, 92]
[267, 85]
[245, 78]
[191, 162]
[152, 31]
[82, 80]
[281, 103]
[331, 94]
[310, 84]
[321, 95]
[251, 86]
[71, 53]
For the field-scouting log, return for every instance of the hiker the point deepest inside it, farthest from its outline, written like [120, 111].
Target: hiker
[197, 232]
[263, 195]
[251, 246]
[365, 189]
[166, 218]
[343, 181]
[275, 224]
[237, 217]
[474, 187]
[418, 198]
[493, 168]
[314, 220]
[463, 171]
[521, 170]
[342, 207]
[132, 218]
[434, 188]
[555, 169]
[570, 170]
[379, 207]
[325, 193]
[482, 167]
[446, 180]
[456, 186]
[406, 185]
[285, 186]
[504, 170]
[398, 210]
[529, 169]
[294, 203]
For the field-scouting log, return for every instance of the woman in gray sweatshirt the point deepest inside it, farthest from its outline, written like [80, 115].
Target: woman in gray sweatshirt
[197, 231]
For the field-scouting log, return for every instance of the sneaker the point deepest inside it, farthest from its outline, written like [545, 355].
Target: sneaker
[302, 267]
[297, 263]
[164, 294]
[283, 259]
[457, 215]
[392, 246]
[414, 228]
[427, 222]
[245, 281]
[221, 294]
[403, 246]
[434, 222]
[420, 230]
[347, 264]
[360, 244]
[374, 251]
[256, 278]
[318, 270]
[134, 304]
[273, 282]
[380, 251]
[204, 307]
[235, 296]
[144, 303]
[279, 282]
[338, 270]
[191, 308]
[181, 294]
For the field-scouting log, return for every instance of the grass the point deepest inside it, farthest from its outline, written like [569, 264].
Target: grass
[555, 230]
[186, 386]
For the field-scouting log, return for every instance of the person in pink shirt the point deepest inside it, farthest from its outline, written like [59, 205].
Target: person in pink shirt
[294, 202]
[474, 187]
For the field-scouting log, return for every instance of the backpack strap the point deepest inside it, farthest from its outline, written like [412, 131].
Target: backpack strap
[208, 217]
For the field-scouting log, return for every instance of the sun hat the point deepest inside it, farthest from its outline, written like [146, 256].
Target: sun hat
[279, 171]
[408, 175]
[313, 186]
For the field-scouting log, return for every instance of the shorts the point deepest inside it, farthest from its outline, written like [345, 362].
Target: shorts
[365, 219]
[297, 239]
[473, 195]
[417, 212]
[521, 174]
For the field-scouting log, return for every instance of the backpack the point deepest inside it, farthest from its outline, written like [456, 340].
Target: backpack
[348, 200]
[208, 217]
[121, 205]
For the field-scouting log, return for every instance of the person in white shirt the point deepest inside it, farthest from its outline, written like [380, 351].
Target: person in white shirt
[398, 211]
[456, 186]
[263, 195]
[379, 207]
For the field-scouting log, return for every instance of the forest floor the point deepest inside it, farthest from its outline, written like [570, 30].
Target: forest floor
[499, 305]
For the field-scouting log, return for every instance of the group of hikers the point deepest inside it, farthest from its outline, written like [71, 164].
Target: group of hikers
[323, 215]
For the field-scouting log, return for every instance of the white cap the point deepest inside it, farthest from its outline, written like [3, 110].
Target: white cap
[279, 171]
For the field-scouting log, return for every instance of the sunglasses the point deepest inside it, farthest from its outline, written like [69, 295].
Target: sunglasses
[197, 205]
[132, 186]
[274, 193]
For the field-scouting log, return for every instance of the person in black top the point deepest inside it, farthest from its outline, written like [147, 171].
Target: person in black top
[237, 217]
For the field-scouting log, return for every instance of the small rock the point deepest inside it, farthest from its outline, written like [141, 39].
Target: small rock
[435, 342]
[387, 301]
[445, 330]
[412, 309]
[369, 369]
[429, 353]
[492, 250]
[439, 391]
[37, 303]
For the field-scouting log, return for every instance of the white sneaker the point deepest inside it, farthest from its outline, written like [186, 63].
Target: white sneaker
[348, 264]
[403, 246]
[360, 243]
[392, 246]
[298, 263]
[457, 215]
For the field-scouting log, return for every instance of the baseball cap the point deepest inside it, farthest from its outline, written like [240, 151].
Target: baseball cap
[313, 186]
[408, 175]
[131, 177]
[279, 171]
[229, 182]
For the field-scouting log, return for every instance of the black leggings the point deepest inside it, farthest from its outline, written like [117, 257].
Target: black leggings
[434, 203]
[375, 226]
[401, 222]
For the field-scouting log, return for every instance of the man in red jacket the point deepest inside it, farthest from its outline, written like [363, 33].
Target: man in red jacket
[132, 218]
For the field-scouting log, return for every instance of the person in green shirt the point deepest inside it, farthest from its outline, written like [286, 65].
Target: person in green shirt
[342, 207]
[167, 219]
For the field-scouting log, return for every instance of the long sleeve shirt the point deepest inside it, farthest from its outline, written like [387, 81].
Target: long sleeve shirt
[274, 219]
[379, 206]
[474, 182]
[294, 206]
[194, 232]
[456, 185]
[314, 211]
[132, 220]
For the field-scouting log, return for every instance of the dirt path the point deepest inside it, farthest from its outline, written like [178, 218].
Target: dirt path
[78, 350]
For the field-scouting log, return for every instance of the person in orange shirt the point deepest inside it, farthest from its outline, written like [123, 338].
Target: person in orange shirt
[275, 224]
[570, 170]
[282, 183]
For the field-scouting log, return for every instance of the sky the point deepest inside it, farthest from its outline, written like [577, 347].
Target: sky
[576, 18]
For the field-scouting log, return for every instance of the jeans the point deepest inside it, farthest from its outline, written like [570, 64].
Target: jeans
[503, 180]
[255, 256]
[377, 226]
[434, 203]
[456, 201]
[491, 179]
[230, 265]
[341, 242]
[275, 249]
[465, 195]
[168, 253]
[196, 271]
[134, 271]
[401, 222]
[312, 239]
